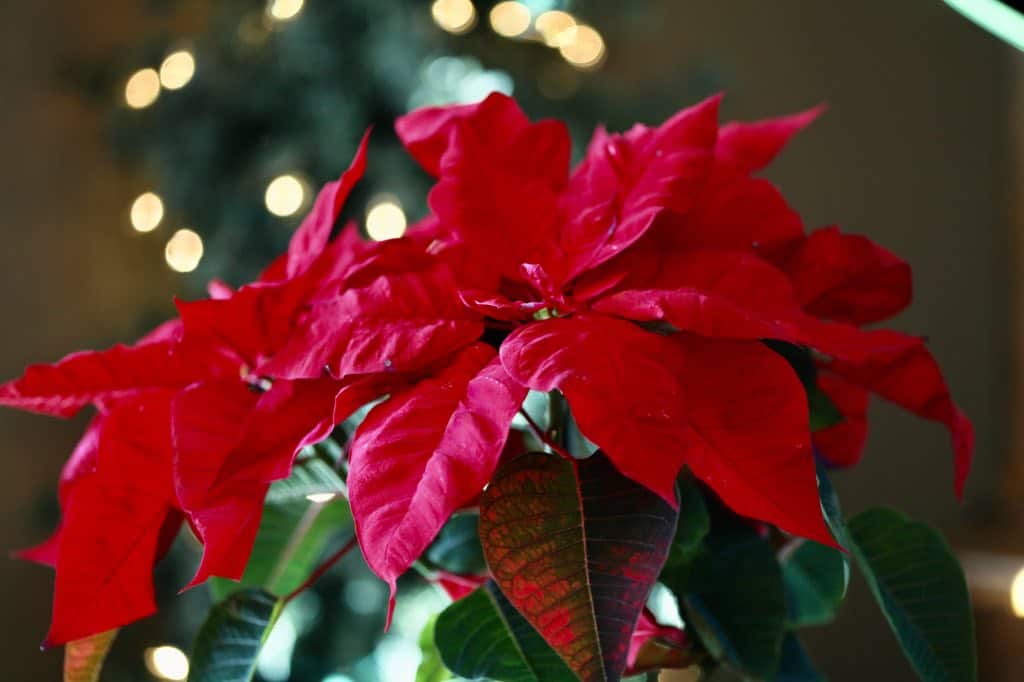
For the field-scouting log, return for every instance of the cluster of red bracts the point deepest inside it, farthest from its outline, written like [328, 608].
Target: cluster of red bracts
[640, 285]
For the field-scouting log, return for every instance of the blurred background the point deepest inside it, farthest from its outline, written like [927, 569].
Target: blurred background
[150, 145]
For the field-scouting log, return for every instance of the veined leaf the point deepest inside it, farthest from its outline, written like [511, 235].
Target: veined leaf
[83, 658]
[229, 641]
[483, 637]
[576, 547]
[312, 477]
[732, 595]
[921, 589]
[815, 577]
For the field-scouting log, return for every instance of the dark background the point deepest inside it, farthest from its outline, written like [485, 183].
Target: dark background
[919, 150]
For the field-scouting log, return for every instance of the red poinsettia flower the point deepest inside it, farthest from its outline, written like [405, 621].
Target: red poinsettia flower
[659, 229]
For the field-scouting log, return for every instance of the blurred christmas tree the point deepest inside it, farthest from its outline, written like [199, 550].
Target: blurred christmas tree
[234, 126]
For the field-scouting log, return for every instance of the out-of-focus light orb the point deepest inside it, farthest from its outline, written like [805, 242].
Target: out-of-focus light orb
[510, 19]
[454, 16]
[184, 250]
[284, 10]
[177, 70]
[142, 88]
[583, 47]
[285, 195]
[167, 662]
[147, 212]
[1017, 594]
[385, 219]
[320, 498]
[553, 27]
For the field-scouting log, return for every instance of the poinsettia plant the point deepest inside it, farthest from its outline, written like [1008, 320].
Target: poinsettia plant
[628, 382]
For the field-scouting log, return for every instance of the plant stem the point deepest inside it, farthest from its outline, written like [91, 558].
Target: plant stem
[323, 568]
[543, 437]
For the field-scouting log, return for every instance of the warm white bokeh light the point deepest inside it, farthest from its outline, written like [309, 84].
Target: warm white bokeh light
[285, 195]
[177, 70]
[385, 219]
[510, 19]
[167, 663]
[454, 16]
[582, 46]
[283, 10]
[142, 88]
[320, 498]
[1017, 594]
[184, 250]
[147, 212]
[553, 26]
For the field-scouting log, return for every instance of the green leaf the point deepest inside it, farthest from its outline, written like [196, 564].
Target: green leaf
[823, 412]
[796, 665]
[229, 641]
[483, 637]
[294, 532]
[733, 597]
[457, 547]
[431, 667]
[83, 658]
[576, 547]
[694, 522]
[815, 577]
[921, 589]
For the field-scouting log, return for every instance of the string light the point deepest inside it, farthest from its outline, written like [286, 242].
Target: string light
[583, 47]
[385, 219]
[284, 10]
[1017, 594]
[177, 70]
[142, 88]
[184, 250]
[454, 16]
[147, 212]
[510, 19]
[167, 662]
[553, 26]
[320, 498]
[285, 195]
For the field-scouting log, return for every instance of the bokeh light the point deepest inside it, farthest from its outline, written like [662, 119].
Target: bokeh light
[184, 250]
[454, 16]
[583, 47]
[1017, 594]
[166, 663]
[283, 10]
[553, 27]
[510, 19]
[321, 498]
[285, 195]
[385, 219]
[177, 70]
[142, 88]
[147, 212]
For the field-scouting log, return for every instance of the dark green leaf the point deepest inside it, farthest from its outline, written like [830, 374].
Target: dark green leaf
[483, 637]
[457, 547]
[229, 641]
[694, 522]
[733, 596]
[83, 658]
[815, 577]
[922, 591]
[823, 412]
[796, 665]
[576, 546]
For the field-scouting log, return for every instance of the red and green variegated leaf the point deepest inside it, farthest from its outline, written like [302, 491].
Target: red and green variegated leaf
[576, 547]
[83, 658]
